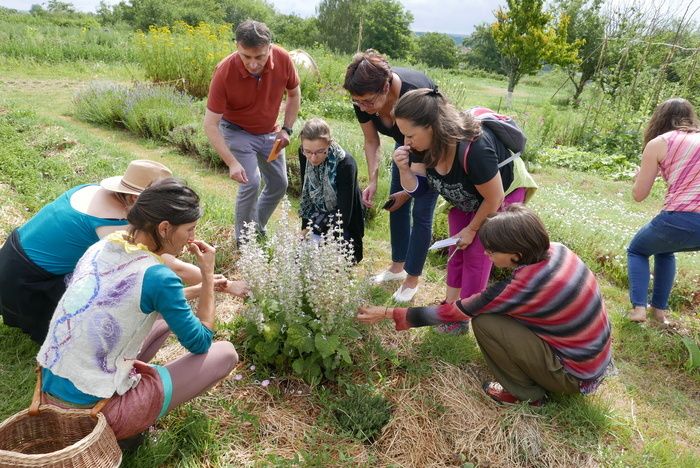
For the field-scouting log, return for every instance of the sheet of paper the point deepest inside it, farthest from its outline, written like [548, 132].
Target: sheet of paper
[441, 244]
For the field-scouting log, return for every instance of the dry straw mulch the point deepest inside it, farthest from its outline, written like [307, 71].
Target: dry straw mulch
[446, 421]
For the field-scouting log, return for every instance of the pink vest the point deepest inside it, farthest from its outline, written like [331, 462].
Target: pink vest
[681, 171]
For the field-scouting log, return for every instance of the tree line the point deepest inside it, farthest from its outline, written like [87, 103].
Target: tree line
[634, 52]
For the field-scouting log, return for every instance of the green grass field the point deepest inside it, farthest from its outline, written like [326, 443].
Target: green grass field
[647, 415]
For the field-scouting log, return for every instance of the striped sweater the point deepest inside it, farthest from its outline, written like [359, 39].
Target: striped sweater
[680, 168]
[558, 299]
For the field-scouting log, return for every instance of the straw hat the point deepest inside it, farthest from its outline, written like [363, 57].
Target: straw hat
[139, 174]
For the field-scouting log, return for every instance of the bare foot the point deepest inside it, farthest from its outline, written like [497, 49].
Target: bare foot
[638, 314]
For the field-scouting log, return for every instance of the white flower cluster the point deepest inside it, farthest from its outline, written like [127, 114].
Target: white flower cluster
[300, 276]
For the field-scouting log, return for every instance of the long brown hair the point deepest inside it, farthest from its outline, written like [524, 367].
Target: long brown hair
[516, 230]
[368, 72]
[427, 107]
[672, 114]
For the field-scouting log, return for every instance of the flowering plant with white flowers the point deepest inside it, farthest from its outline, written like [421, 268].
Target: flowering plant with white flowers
[303, 298]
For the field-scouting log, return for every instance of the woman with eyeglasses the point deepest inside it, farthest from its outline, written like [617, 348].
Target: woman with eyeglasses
[375, 87]
[330, 188]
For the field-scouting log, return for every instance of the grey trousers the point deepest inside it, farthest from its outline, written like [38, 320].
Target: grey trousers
[251, 152]
[521, 361]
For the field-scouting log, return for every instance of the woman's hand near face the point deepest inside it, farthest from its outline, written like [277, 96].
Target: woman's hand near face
[373, 314]
[205, 255]
[401, 158]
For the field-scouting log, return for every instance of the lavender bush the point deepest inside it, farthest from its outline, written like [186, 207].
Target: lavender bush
[304, 295]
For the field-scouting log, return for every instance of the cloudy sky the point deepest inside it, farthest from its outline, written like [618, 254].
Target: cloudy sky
[448, 16]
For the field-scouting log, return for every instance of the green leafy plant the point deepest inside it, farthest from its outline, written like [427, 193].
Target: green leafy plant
[361, 412]
[304, 295]
[693, 361]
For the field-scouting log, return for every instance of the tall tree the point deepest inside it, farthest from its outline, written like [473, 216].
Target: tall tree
[482, 51]
[350, 25]
[294, 31]
[339, 23]
[587, 26]
[386, 27]
[237, 11]
[437, 50]
[527, 37]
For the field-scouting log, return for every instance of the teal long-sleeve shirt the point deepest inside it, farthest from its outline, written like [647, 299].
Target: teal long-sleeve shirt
[162, 292]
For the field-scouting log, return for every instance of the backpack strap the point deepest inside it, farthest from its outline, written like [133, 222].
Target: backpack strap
[513, 157]
[465, 147]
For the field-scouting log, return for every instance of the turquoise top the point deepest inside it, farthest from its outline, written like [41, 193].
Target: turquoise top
[58, 235]
[162, 291]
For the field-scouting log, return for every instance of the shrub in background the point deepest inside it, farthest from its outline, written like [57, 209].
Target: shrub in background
[153, 111]
[303, 299]
[184, 55]
[614, 166]
[101, 103]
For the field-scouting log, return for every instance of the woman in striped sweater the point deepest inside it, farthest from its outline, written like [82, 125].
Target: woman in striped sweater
[672, 148]
[545, 329]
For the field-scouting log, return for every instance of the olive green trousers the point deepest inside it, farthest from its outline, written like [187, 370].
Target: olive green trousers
[522, 362]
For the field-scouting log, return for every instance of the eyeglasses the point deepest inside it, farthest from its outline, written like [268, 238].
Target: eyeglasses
[321, 152]
[366, 102]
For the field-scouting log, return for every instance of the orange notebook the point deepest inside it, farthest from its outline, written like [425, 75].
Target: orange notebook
[275, 151]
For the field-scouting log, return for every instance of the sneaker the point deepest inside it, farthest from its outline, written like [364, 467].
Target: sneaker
[404, 294]
[501, 395]
[387, 275]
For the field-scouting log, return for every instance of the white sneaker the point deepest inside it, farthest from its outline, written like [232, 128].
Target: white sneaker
[387, 275]
[404, 294]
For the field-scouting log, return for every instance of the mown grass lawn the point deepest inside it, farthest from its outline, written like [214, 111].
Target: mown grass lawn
[645, 416]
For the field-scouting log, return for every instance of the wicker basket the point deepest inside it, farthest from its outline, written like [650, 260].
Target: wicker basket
[58, 438]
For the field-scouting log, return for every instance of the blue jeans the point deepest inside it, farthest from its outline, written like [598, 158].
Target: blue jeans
[411, 227]
[667, 233]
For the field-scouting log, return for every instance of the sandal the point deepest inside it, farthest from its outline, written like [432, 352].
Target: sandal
[638, 315]
[500, 395]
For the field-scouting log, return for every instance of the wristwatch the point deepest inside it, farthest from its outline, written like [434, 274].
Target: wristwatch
[288, 130]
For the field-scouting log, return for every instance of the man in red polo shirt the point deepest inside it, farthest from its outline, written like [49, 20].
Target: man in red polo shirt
[244, 101]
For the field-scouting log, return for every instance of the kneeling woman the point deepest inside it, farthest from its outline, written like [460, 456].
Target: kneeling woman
[545, 329]
[329, 185]
[96, 347]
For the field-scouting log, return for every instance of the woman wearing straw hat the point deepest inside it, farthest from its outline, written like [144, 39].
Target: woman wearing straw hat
[37, 256]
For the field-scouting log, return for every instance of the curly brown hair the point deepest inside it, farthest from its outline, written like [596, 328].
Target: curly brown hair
[368, 72]
[427, 107]
[672, 114]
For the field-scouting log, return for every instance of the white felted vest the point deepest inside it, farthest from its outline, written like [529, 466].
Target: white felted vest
[98, 328]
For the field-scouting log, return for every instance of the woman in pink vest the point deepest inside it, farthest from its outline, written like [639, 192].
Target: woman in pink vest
[671, 148]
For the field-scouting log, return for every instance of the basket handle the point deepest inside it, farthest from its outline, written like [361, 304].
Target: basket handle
[36, 399]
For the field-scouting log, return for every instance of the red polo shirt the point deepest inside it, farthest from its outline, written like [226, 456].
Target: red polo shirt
[251, 102]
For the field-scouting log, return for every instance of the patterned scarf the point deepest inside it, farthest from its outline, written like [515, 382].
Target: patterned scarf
[319, 193]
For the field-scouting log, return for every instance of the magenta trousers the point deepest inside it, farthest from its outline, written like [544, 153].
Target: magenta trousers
[469, 269]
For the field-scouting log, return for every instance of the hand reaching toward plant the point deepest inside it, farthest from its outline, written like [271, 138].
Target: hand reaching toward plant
[237, 288]
[374, 314]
